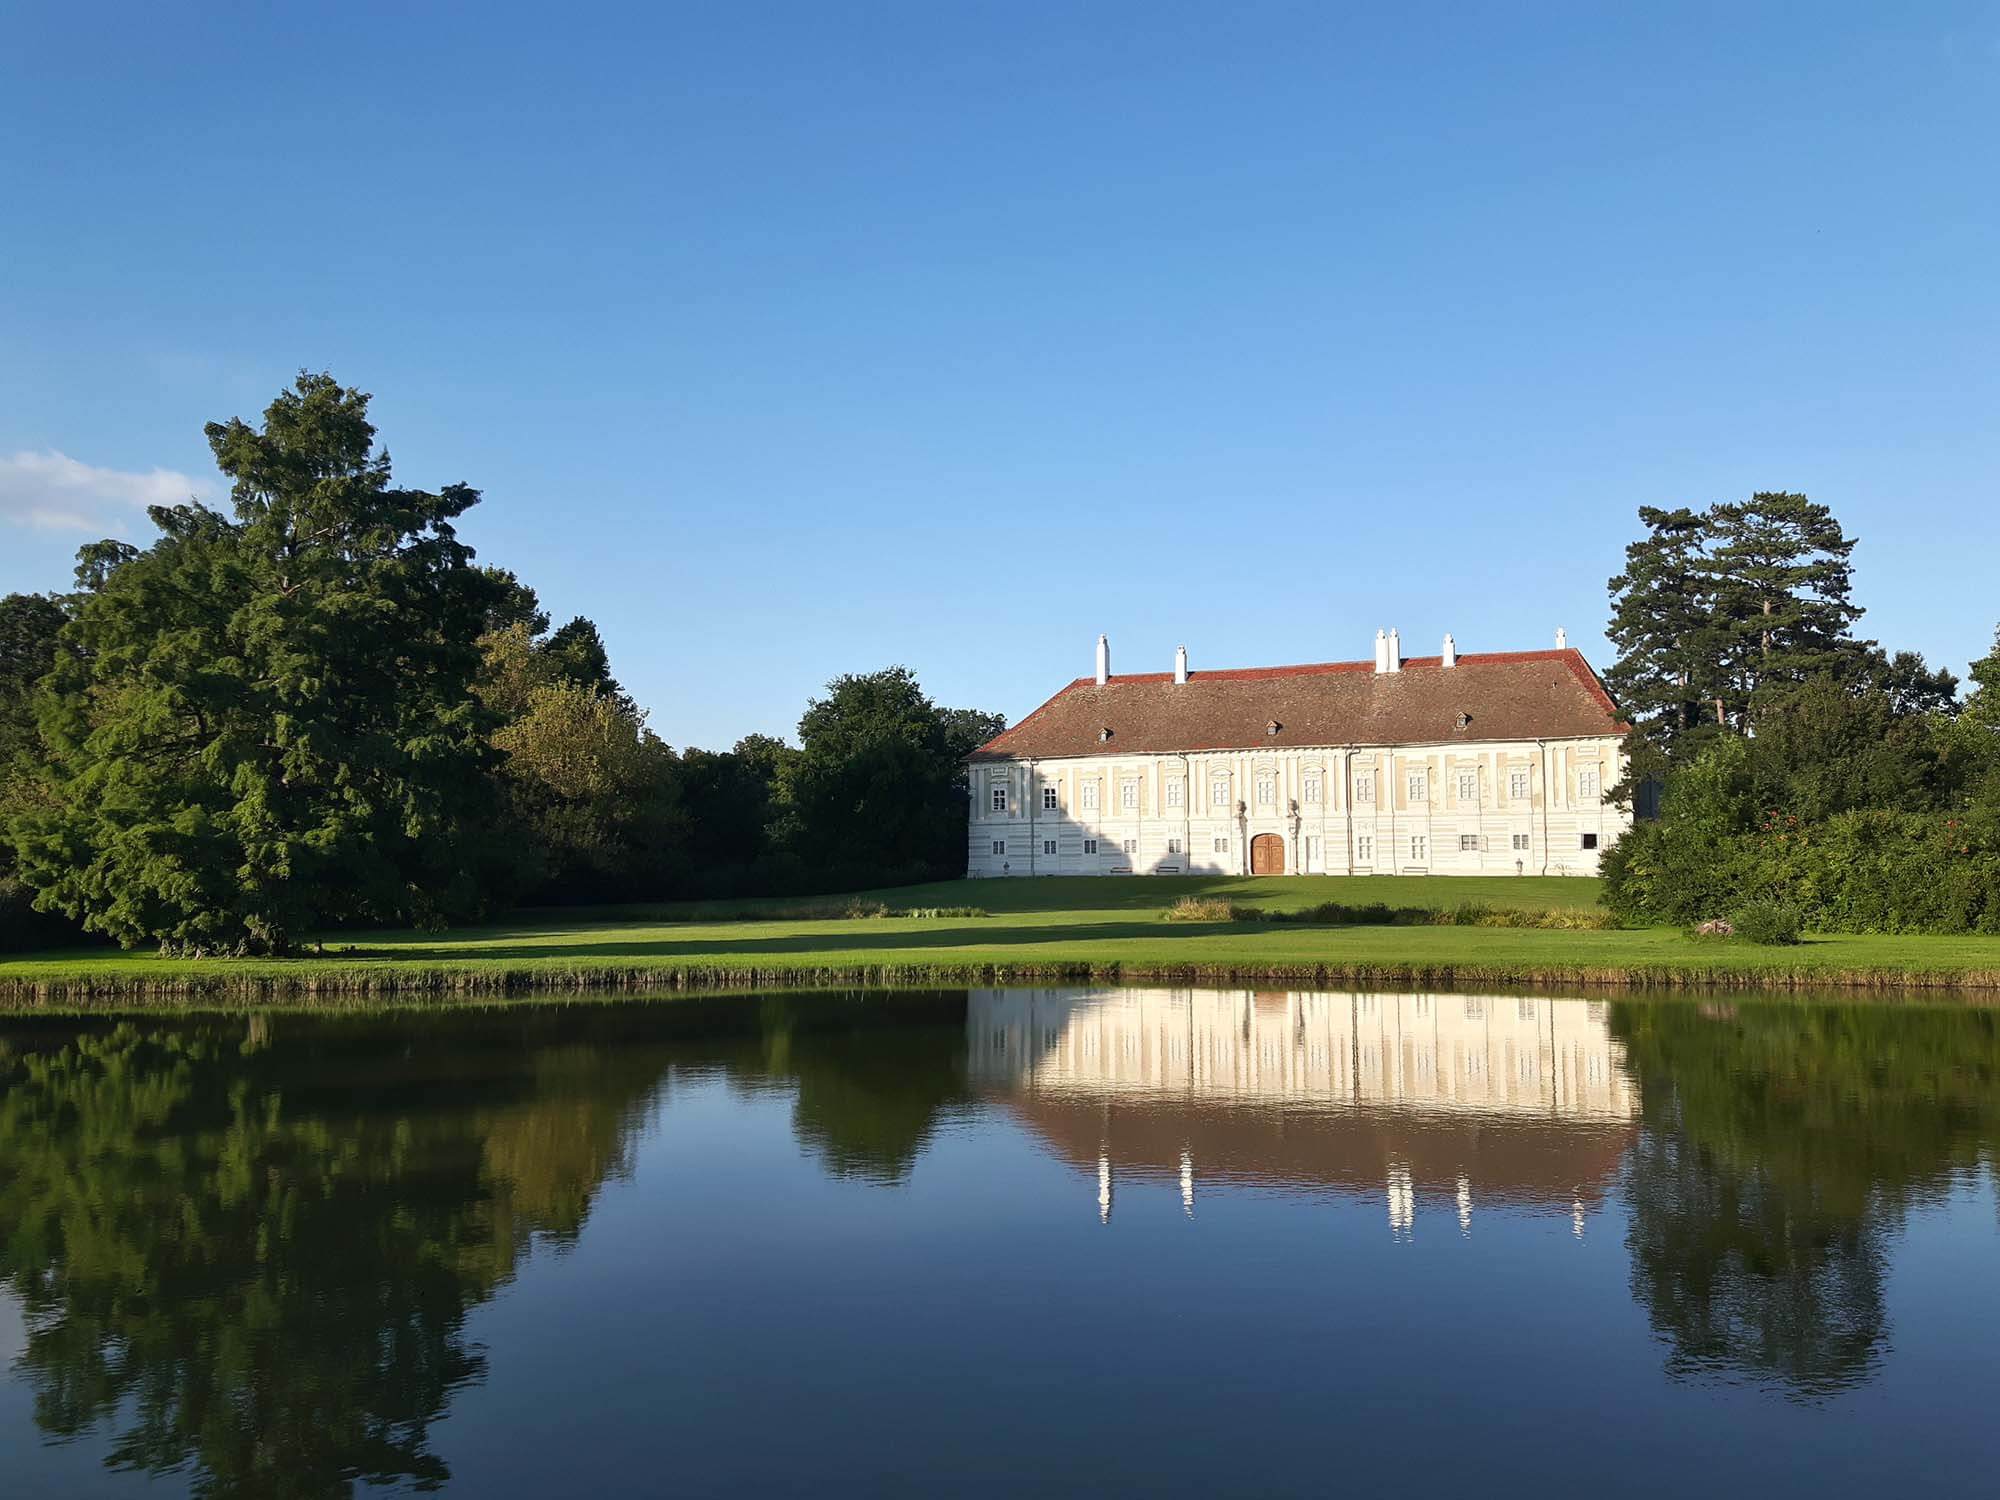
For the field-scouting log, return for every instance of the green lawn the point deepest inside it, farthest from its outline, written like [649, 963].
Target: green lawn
[1038, 930]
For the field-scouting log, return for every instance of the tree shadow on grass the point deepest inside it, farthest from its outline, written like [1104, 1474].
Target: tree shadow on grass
[844, 940]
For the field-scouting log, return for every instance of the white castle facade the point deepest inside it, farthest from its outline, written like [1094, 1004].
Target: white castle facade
[1457, 764]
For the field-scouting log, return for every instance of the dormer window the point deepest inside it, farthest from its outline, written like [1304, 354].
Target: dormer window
[1104, 734]
[1465, 721]
[1273, 727]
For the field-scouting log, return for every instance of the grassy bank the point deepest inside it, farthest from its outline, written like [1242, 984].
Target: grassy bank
[1032, 931]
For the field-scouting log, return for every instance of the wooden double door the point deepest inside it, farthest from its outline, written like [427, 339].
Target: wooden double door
[1267, 854]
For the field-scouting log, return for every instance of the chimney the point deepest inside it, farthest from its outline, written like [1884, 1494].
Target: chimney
[1450, 657]
[1562, 639]
[1395, 649]
[1103, 660]
[1381, 651]
[1180, 664]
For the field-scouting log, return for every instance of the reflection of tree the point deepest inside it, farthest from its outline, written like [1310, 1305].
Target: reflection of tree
[255, 1259]
[1782, 1145]
[248, 1248]
[870, 1098]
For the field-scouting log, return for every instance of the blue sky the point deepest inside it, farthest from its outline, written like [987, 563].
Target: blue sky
[786, 340]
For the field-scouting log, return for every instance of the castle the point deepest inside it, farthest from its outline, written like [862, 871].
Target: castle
[1475, 763]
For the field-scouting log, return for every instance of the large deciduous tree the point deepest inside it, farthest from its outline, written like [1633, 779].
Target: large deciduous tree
[265, 722]
[878, 779]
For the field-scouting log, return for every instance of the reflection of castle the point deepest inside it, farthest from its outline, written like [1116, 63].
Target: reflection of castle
[1463, 1098]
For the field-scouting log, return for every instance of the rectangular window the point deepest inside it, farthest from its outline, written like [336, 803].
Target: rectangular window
[1468, 843]
[1586, 784]
[1520, 841]
[1090, 846]
[1173, 794]
[1131, 846]
[1517, 785]
[1090, 795]
[1048, 846]
[1364, 787]
[1420, 847]
[1128, 795]
[1468, 786]
[1312, 789]
[1267, 791]
[1048, 799]
[1590, 841]
[1218, 792]
[1173, 846]
[999, 846]
[1222, 846]
[1364, 847]
[999, 797]
[1419, 786]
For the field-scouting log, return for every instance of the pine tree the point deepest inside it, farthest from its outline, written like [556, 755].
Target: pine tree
[1781, 582]
[1663, 624]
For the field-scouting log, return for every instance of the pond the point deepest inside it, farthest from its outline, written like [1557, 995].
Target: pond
[1003, 1241]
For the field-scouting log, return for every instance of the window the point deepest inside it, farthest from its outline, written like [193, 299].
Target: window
[1048, 846]
[1468, 843]
[1419, 786]
[999, 797]
[1174, 790]
[1364, 787]
[1586, 783]
[1173, 846]
[1517, 785]
[999, 846]
[1218, 792]
[1420, 847]
[1048, 799]
[1131, 846]
[1312, 789]
[1222, 846]
[1267, 791]
[1128, 795]
[1590, 841]
[1090, 795]
[1520, 841]
[1090, 846]
[1468, 786]
[1364, 847]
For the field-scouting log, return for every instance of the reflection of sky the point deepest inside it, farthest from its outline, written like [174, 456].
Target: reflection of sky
[742, 1319]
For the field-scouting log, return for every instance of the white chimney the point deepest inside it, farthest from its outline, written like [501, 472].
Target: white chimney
[1562, 639]
[1381, 650]
[1395, 649]
[1103, 660]
[1450, 657]
[1180, 664]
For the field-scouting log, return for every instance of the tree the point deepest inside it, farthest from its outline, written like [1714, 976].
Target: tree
[1782, 584]
[590, 794]
[1663, 624]
[879, 777]
[261, 725]
[29, 624]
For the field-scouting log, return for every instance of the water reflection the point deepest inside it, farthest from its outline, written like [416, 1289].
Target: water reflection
[1441, 1101]
[248, 1250]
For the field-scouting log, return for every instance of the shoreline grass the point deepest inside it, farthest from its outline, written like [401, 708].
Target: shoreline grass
[1034, 932]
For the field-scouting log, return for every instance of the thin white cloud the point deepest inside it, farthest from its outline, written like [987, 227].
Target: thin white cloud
[56, 492]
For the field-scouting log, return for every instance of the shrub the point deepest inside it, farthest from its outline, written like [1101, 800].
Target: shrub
[1771, 923]
[1208, 909]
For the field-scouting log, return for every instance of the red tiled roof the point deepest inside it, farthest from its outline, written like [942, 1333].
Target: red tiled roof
[1503, 695]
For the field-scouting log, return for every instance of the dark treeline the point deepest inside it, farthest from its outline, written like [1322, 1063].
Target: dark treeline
[317, 710]
[1802, 771]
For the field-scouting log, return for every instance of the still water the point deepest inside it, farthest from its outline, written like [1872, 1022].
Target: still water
[1004, 1241]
